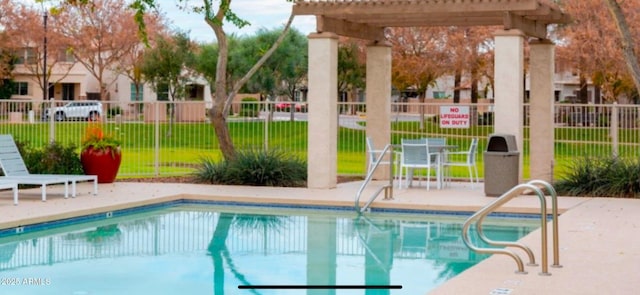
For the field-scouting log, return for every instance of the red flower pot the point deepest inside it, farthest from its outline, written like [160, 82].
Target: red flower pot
[104, 164]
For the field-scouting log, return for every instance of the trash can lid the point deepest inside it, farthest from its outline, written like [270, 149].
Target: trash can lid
[502, 143]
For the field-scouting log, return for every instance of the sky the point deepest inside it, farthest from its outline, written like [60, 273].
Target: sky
[267, 14]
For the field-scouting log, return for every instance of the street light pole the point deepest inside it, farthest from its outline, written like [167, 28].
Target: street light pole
[45, 78]
[45, 88]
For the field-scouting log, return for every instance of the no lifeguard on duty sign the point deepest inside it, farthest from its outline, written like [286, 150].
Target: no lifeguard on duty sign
[454, 117]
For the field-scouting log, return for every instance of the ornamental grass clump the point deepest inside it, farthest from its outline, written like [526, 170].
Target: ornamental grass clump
[601, 177]
[255, 168]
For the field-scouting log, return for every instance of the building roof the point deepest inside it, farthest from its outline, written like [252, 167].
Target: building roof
[367, 19]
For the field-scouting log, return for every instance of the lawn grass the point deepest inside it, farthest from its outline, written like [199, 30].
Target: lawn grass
[182, 145]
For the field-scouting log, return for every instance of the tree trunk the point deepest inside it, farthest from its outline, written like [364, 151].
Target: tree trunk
[456, 87]
[474, 90]
[583, 93]
[223, 99]
[219, 121]
[583, 97]
[627, 41]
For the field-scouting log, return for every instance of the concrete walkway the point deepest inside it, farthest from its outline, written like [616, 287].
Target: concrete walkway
[599, 243]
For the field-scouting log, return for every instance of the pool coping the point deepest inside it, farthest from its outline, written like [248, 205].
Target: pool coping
[379, 206]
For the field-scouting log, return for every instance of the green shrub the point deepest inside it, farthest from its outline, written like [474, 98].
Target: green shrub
[601, 177]
[249, 107]
[256, 168]
[54, 158]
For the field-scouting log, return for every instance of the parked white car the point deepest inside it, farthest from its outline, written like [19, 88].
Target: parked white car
[84, 110]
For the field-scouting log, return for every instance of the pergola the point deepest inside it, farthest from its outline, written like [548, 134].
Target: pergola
[368, 20]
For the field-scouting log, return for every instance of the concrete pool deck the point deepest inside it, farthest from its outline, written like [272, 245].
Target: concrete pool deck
[599, 242]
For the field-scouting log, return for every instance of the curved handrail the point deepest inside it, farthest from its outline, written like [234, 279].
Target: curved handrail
[517, 191]
[479, 216]
[388, 188]
[554, 214]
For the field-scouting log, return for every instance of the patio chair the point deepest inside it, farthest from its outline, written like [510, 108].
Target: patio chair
[373, 154]
[15, 170]
[469, 160]
[6, 184]
[416, 155]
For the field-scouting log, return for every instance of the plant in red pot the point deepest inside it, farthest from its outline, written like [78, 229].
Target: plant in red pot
[101, 154]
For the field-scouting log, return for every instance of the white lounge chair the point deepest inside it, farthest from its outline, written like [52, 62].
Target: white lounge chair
[5, 184]
[15, 170]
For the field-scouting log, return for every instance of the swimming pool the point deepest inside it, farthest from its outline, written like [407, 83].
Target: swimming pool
[204, 249]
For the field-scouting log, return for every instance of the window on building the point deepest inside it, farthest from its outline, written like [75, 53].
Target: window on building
[439, 94]
[30, 55]
[21, 56]
[65, 56]
[163, 92]
[20, 88]
[137, 95]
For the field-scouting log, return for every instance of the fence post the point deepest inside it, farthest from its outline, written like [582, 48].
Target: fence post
[52, 128]
[156, 157]
[613, 129]
[267, 113]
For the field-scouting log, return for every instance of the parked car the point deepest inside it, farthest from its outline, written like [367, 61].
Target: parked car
[76, 110]
[285, 106]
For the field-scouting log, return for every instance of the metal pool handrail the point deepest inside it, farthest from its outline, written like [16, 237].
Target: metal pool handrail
[479, 216]
[388, 188]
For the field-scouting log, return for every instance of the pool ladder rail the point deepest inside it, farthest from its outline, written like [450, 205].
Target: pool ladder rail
[387, 188]
[478, 218]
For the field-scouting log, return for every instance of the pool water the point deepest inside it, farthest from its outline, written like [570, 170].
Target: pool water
[204, 249]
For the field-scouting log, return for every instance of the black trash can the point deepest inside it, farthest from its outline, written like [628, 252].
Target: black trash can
[501, 164]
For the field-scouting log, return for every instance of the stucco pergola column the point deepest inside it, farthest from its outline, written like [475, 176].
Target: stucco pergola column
[378, 93]
[509, 86]
[541, 70]
[322, 153]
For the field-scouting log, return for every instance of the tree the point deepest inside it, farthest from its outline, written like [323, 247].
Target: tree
[351, 69]
[36, 59]
[100, 34]
[131, 63]
[470, 52]
[169, 64]
[590, 47]
[628, 47]
[6, 58]
[216, 13]
[281, 74]
[419, 59]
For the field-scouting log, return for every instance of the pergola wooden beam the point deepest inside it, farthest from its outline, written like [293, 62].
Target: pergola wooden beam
[349, 29]
[410, 6]
[530, 28]
[367, 19]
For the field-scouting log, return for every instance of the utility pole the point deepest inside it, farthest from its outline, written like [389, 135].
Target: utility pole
[45, 78]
